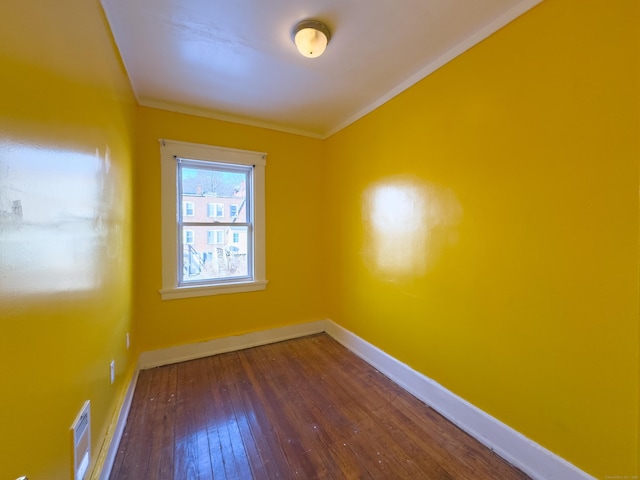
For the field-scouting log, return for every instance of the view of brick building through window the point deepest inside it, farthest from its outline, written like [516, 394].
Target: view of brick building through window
[215, 226]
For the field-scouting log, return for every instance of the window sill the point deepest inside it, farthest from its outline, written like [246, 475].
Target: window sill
[207, 290]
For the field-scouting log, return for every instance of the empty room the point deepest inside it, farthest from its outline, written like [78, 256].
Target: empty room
[319, 239]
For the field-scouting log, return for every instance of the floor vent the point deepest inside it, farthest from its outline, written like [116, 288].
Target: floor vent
[81, 442]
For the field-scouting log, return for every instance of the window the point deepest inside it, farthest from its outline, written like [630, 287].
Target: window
[215, 210]
[215, 236]
[188, 208]
[235, 179]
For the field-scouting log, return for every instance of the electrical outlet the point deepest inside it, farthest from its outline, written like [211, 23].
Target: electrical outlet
[128, 343]
[112, 367]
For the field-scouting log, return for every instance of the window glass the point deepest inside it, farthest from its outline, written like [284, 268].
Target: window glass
[230, 185]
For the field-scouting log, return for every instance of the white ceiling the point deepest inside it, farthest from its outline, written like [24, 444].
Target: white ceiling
[235, 60]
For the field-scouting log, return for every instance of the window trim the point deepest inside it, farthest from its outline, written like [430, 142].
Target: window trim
[170, 150]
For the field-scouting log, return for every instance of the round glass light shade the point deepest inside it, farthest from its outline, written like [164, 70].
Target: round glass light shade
[311, 38]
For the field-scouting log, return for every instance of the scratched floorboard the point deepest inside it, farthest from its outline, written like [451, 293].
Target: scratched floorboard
[301, 409]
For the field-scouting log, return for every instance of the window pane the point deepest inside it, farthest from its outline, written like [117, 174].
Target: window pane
[216, 254]
[211, 193]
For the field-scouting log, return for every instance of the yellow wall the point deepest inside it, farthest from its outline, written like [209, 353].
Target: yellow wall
[66, 135]
[481, 227]
[295, 235]
[512, 275]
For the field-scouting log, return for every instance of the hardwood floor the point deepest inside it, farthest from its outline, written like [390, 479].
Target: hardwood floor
[305, 408]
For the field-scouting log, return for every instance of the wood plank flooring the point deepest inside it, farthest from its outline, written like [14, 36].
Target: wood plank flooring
[301, 409]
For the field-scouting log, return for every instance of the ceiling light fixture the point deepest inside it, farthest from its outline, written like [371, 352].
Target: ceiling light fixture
[311, 37]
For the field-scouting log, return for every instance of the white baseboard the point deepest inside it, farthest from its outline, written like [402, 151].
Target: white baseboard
[534, 460]
[192, 351]
[121, 421]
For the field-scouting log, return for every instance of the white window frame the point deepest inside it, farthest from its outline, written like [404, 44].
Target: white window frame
[186, 237]
[170, 152]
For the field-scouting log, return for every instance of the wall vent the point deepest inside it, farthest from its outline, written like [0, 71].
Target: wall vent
[81, 429]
